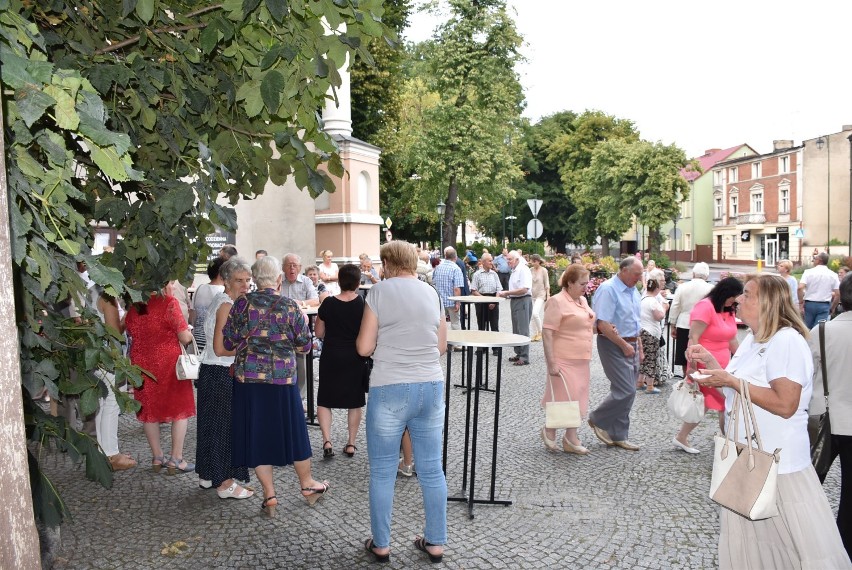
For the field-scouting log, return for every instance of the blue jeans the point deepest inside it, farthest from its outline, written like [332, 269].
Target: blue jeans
[815, 312]
[420, 407]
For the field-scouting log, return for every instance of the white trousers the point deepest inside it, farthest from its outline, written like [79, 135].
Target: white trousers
[537, 316]
[106, 420]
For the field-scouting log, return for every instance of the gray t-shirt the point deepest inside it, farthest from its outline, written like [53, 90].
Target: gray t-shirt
[409, 313]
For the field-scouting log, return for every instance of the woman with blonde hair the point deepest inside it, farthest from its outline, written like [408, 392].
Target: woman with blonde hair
[785, 267]
[328, 272]
[406, 391]
[568, 332]
[540, 294]
[776, 362]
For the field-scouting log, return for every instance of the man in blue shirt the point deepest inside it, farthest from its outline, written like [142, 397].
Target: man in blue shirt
[448, 280]
[616, 305]
[501, 265]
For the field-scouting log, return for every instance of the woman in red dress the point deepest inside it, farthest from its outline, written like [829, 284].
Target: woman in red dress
[156, 329]
[712, 324]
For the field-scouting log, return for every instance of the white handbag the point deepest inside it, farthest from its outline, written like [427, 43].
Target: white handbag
[745, 477]
[686, 402]
[188, 365]
[559, 415]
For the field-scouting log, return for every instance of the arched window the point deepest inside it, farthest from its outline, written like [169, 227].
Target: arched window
[363, 191]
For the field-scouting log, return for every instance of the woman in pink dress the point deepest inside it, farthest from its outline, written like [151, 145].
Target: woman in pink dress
[712, 324]
[567, 342]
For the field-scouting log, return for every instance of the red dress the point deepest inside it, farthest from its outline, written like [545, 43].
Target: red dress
[155, 347]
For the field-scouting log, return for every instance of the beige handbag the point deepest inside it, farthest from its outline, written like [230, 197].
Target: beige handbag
[559, 415]
[188, 365]
[745, 477]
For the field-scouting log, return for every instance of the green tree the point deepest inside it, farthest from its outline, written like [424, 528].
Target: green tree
[460, 152]
[634, 179]
[145, 116]
[573, 152]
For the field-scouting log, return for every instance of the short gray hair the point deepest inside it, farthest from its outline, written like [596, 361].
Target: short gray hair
[450, 252]
[701, 270]
[266, 271]
[294, 256]
[232, 266]
[628, 262]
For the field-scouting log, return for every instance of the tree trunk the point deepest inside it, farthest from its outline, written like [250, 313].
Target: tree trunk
[604, 246]
[19, 540]
[450, 214]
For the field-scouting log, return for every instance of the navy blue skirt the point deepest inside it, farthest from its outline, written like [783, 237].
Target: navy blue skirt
[268, 424]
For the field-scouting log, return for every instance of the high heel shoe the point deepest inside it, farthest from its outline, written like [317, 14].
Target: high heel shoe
[569, 447]
[314, 494]
[421, 544]
[173, 465]
[268, 506]
[549, 444]
[327, 452]
[156, 467]
[381, 558]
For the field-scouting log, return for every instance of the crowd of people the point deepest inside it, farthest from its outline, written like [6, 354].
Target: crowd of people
[253, 333]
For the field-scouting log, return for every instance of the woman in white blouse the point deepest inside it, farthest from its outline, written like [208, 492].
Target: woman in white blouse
[328, 272]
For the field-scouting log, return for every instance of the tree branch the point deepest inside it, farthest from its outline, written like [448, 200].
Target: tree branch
[244, 132]
[134, 39]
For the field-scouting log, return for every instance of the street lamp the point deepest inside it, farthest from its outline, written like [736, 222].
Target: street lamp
[441, 209]
[824, 142]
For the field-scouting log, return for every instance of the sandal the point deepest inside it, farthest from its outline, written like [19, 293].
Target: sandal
[514, 358]
[314, 494]
[327, 452]
[349, 453]
[268, 505]
[174, 465]
[157, 463]
[382, 558]
[421, 544]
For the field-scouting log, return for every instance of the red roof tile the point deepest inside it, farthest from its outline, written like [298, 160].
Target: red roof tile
[709, 159]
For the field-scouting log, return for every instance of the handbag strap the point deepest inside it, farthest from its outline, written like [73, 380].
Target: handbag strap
[822, 362]
[564, 383]
[752, 418]
[194, 348]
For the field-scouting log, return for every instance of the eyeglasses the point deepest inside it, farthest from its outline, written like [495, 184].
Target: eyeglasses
[292, 265]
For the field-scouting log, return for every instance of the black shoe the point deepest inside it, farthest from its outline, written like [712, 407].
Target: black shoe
[327, 452]
[514, 358]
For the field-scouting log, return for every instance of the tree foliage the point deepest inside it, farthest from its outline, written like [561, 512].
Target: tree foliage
[466, 102]
[145, 117]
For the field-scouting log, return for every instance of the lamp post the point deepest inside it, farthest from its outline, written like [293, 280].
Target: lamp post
[824, 142]
[441, 209]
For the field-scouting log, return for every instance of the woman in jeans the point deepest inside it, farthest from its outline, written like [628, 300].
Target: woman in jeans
[406, 390]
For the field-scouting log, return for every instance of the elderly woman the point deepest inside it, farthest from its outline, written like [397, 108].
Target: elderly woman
[651, 313]
[776, 362]
[203, 297]
[568, 332]
[784, 267]
[312, 273]
[215, 388]
[157, 329]
[341, 368]
[406, 390]
[685, 298]
[540, 294]
[328, 272]
[712, 324]
[266, 331]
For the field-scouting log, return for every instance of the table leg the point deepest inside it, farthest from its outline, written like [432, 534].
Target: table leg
[309, 386]
[447, 408]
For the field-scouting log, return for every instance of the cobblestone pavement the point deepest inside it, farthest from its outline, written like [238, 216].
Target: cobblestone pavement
[610, 509]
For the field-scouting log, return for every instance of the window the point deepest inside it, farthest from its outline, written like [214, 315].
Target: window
[734, 240]
[757, 202]
[717, 178]
[732, 175]
[784, 165]
[363, 191]
[755, 170]
[735, 206]
[718, 209]
[784, 201]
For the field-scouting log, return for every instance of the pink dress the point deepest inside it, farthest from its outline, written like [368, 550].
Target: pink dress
[571, 350]
[716, 338]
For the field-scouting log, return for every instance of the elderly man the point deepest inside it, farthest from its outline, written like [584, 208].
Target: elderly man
[616, 304]
[685, 298]
[838, 362]
[301, 289]
[448, 281]
[486, 282]
[817, 289]
[424, 267]
[519, 295]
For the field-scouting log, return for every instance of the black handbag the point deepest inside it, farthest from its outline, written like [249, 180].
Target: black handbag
[365, 376]
[819, 427]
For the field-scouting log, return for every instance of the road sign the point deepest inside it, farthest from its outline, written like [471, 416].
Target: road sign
[534, 228]
[388, 222]
[799, 233]
[535, 206]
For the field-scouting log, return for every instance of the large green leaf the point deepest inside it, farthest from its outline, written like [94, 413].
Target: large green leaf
[65, 113]
[32, 103]
[278, 9]
[145, 10]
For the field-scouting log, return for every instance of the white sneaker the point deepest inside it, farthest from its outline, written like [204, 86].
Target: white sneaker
[405, 471]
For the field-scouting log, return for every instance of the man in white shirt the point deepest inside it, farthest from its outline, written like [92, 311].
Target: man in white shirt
[817, 289]
[301, 289]
[685, 298]
[486, 282]
[519, 289]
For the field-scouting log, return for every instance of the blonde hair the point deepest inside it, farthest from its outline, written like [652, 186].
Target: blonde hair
[786, 264]
[327, 252]
[398, 258]
[775, 307]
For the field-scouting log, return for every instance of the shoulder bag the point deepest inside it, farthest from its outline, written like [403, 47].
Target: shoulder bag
[559, 415]
[686, 402]
[188, 365]
[745, 477]
[819, 427]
